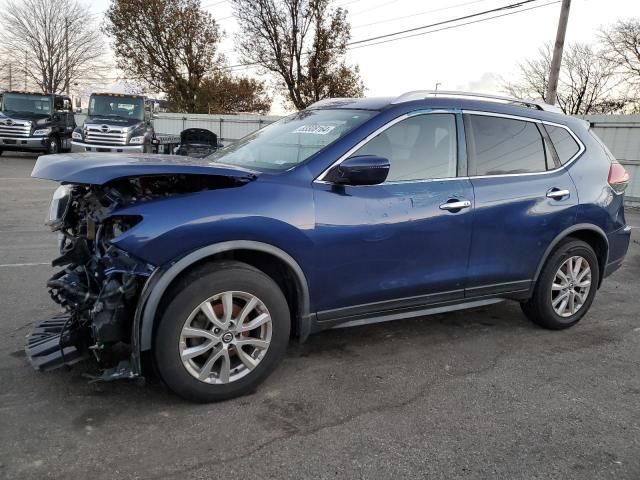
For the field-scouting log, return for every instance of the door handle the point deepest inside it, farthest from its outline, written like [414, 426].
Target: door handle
[455, 205]
[557, 193]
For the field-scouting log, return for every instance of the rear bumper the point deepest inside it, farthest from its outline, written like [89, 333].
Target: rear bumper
[90, 147]
[23, 143]
[618, 246]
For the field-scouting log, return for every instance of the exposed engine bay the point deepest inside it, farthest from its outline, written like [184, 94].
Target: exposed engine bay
[98, 285]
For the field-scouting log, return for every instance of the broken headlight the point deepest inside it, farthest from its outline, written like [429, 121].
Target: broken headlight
[59, 207]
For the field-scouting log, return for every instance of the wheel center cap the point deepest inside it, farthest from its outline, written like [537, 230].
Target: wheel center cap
[227, 337]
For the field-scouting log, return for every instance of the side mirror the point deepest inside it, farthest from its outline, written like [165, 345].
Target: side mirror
[360, 170]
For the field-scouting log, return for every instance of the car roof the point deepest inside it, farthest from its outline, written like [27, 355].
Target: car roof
[534, 109]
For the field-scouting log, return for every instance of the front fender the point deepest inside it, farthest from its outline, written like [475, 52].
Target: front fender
[274, 214]
[159, 281]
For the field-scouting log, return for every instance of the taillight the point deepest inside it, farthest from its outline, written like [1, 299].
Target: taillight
[618, 177]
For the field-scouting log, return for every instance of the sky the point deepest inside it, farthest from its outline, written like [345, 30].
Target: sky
[475, 57]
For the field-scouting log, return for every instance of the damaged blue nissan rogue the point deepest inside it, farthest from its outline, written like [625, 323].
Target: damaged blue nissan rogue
[349, 212]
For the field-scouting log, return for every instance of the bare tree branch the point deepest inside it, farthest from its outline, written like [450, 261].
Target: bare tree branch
[302, 43]
[33, 42]
[587, 80]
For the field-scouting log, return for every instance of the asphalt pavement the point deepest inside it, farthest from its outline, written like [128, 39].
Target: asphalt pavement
[474, 394]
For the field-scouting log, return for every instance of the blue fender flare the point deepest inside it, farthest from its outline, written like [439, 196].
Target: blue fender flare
[161, 278]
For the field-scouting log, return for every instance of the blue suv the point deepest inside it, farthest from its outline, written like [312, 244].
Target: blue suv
[349, 212]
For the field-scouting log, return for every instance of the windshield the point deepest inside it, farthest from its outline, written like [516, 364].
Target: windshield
[292, 140]
[111, 106]
[35, 104]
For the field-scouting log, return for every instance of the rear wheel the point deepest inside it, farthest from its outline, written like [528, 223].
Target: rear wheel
[222, 333]
[566, 287]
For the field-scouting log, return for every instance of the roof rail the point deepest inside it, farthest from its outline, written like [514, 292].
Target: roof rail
[423, 94]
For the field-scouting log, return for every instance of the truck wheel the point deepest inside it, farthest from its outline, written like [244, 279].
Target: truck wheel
[566, 287]
[53, 145]
[224, 329]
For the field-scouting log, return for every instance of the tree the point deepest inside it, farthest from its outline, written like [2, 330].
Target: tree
[622, 47]
[224, 93]
[302, 43]
[34, 39]
[168, 45]
[587, 80]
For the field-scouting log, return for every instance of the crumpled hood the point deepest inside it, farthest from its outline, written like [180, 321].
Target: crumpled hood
[100, 168]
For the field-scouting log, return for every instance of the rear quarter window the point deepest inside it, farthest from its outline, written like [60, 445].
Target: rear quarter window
[565, 145]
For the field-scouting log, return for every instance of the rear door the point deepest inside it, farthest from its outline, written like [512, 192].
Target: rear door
[523, 200]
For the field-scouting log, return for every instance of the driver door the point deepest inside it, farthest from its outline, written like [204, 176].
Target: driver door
[396, 244]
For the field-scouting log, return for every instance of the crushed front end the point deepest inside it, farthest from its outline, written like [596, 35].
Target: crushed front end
[98, 285]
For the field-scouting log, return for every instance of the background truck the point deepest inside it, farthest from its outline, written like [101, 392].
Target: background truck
[120, 123]
[35, 122]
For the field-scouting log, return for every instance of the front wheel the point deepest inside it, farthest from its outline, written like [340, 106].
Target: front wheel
[566, 287]
[53, 145]
[224, 329]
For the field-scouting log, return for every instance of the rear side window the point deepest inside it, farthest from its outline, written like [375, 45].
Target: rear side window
[565, 145]
[499, 146]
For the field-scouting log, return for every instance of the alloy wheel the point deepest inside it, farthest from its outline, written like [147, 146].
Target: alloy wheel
[225, 337]
[571, 286]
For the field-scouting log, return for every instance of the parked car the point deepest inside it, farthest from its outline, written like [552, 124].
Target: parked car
[352, 211]
[197, 142]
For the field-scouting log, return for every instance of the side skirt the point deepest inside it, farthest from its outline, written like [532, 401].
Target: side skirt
[420, 313]
[419, 306]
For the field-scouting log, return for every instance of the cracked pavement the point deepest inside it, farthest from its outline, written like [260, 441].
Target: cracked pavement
[474, 394]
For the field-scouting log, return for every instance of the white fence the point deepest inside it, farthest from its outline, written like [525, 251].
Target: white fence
[229, 128]
[621, 133]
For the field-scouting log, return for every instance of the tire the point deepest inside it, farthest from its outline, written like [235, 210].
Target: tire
[53, 145]
[185, 308]
[545, 306]
[1, 152]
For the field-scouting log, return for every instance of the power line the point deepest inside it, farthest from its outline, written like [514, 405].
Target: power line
[392, 37]
[418, 14]
[375, 7]
[455, 26]
[465, 17]
[351, 45]
[214, 4]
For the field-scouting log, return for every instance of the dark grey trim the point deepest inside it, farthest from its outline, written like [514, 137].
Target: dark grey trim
[498, 288]
[388, 306]
[433, 310]
[420, 305]
[463, 170]
[149, 307]
[564, 234]
[136, 361]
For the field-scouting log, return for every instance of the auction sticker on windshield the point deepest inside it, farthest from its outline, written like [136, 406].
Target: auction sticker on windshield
[315, 129]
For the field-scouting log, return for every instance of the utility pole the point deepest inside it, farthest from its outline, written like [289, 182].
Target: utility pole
[26, 57]
[66, 46]
[554, 74]
[10, 79]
